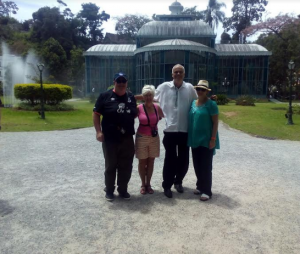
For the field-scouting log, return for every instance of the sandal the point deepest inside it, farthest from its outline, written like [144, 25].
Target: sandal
[150, 190]
[204, 197]
[143, 190]
[197, 192]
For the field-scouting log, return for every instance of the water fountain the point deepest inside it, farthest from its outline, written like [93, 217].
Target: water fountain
[16, 70]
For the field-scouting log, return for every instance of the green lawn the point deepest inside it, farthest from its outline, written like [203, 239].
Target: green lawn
[264, 119]
[15, 120]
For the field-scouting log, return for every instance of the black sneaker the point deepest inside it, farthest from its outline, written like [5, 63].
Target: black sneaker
[109, 196]
[124, 195]
[168, 193]
[178, 187]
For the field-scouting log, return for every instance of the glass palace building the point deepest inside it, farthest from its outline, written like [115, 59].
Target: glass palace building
[233, 69]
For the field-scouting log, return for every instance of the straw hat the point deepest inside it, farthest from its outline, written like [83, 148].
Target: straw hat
[203, 84]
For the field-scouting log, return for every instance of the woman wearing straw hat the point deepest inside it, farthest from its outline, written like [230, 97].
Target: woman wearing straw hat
[203, 138]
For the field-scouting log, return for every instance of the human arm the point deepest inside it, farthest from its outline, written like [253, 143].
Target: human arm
[139, 97]
[160, 112]
[97, 125]
[215, 120]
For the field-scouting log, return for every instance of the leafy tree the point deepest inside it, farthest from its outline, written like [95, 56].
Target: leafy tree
[284, 45]
[129, 24]
[77, 67]
[8, 7]
[92, 20]
[225, 38]
[214, 15]
[243, 13]
[200, 15]
[55, 58]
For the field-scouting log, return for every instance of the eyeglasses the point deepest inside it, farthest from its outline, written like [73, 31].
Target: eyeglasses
[198, 89]
[121, 80]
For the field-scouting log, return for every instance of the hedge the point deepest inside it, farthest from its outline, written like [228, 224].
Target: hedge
[53, 93]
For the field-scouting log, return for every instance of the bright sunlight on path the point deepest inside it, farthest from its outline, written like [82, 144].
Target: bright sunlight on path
[52, 199]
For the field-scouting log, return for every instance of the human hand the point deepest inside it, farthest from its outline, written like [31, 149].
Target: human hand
[212, 144]
[214, 97]
[100, 136]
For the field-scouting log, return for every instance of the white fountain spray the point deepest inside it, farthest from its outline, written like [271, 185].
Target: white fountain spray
[16, 70]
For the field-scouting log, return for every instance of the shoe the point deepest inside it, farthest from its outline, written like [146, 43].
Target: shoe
[168, 193]
[143, 190]
[178, 187]
[197, 192]
[109, 196]
[204, 197]
[124, 195]
[149, 189]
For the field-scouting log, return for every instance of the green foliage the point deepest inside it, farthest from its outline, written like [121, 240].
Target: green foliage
[53, 94]
[245, 100]
[243, 13]
[8, 7]
[222, 99]
[57, 107]
[91, 21]
[55, 58]
[213, 13]
[130, 24]
[200, 15]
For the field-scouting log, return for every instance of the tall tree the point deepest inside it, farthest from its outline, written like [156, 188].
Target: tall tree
[92, 21]
[243, 13]
[129, 25]
[199, 15]
[8, 7]
[55, 58]
[284, 45]
[214, 15]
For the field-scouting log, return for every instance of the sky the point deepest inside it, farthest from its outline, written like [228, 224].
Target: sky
[145, 7]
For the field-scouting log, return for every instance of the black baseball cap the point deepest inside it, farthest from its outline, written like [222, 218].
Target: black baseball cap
[119, 75]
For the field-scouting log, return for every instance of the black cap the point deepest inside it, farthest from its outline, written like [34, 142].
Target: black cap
[120, 74]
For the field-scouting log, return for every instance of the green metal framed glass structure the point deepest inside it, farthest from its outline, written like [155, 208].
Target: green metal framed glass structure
[232, 69]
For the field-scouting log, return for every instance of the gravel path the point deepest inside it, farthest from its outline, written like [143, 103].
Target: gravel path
[52, 200]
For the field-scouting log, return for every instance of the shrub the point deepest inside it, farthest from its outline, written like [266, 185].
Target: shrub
[222, 99]
[53, 93]
[245, 100]
[58, 107]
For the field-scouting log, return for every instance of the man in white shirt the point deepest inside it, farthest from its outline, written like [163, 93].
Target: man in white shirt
[175, 98]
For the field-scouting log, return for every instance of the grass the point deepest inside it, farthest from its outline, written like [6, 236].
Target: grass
[264, 119]
[17, 120]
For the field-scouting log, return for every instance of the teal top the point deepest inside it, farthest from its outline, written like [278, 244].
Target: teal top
[201, 125]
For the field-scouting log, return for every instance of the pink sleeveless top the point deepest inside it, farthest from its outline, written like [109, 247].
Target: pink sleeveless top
[146, 130]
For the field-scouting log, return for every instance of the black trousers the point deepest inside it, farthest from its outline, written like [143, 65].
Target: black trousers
[118, 160]
[202, 159]
[176, 162]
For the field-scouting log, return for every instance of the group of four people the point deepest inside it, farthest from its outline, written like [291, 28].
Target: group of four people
[191, 121]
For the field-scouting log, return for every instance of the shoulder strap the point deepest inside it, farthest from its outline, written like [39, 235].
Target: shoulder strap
[148, 116]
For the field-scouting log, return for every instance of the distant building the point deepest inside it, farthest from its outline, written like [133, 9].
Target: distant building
[233, 69]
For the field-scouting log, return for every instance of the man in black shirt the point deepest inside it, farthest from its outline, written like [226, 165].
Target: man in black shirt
[118, 110]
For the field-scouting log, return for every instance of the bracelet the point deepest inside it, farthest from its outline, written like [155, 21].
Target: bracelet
[212, 138]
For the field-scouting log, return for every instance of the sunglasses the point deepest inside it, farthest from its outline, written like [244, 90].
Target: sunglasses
[122, 80]
[198, 89]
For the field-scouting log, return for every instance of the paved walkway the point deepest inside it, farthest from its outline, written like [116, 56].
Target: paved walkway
[52, 200]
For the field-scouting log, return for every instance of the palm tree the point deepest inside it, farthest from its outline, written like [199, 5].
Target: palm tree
[213, 13]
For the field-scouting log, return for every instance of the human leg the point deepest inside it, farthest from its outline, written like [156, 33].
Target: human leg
[202, 159]
[170, 162]
[110, 157]
[183, 158]
[142, 173]
[125, 160]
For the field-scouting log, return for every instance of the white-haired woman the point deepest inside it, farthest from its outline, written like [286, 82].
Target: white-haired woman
[147, 138]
